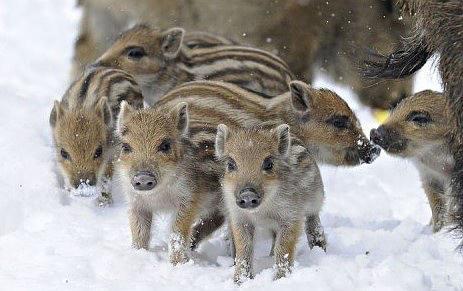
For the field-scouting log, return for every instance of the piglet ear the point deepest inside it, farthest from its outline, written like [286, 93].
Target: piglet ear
[302, 96]
[220, 139]
[284, 140]
[104, 111]
[56, 113]
[172, 40]
[124, 112]
[180, 115]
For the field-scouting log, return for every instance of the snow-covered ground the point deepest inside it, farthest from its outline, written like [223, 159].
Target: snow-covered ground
[375, 216]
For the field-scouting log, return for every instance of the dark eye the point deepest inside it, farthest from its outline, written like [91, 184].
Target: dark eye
[339, 121]
[420, 118]
[126, 148]
[267, 165]
[98, 152]
[165, 146]
[136, 52]
[64, 154]
[231, 165]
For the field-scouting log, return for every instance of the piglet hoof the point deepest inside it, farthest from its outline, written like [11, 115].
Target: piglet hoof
[178, 250]
[282, 271]
[436, 224]
[139, 245]
[317, 239]
[240, 277]
[105, 200]
[178, 257]
[242, 272]
[280, 274]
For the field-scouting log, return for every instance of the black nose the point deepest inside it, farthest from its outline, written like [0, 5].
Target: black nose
[144, 181]
[248, 198]
[379, 136]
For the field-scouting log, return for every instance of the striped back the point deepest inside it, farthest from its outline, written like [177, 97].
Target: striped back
[202, 39]
[253, 69]
[100, 82]
[212, 103]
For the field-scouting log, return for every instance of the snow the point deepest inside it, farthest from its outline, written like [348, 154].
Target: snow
[375, 217]
[85, 191]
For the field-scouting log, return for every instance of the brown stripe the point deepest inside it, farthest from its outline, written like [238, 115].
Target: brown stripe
[116, 80]
[85, 85]
[201, 88]
[197, 40]
[245, 73]
[221, 87]
[202, 129]
[104, 80]
[242, 78]
[236, 51]
[210, 59]
[238, 103]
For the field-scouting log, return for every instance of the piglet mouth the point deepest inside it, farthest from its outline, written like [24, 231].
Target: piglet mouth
[352, 157]
[367, 151]
[391, 147]
[369, 154]
[364, 153]
[390, 140]
[396, 147]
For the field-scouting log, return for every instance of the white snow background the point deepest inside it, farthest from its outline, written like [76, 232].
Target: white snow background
[375, 216]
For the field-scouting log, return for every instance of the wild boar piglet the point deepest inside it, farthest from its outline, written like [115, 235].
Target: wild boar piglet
[162, 171]
[272, 183]
[82, 125]
[417, 129]
[162, 60]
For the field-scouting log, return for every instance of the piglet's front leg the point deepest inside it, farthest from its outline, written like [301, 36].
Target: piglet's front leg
[314, 232]
[140, 226]
[179, 244]
[106, 198]
[284, 249]
[205, 227]
[243, 237]
[435, 193]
